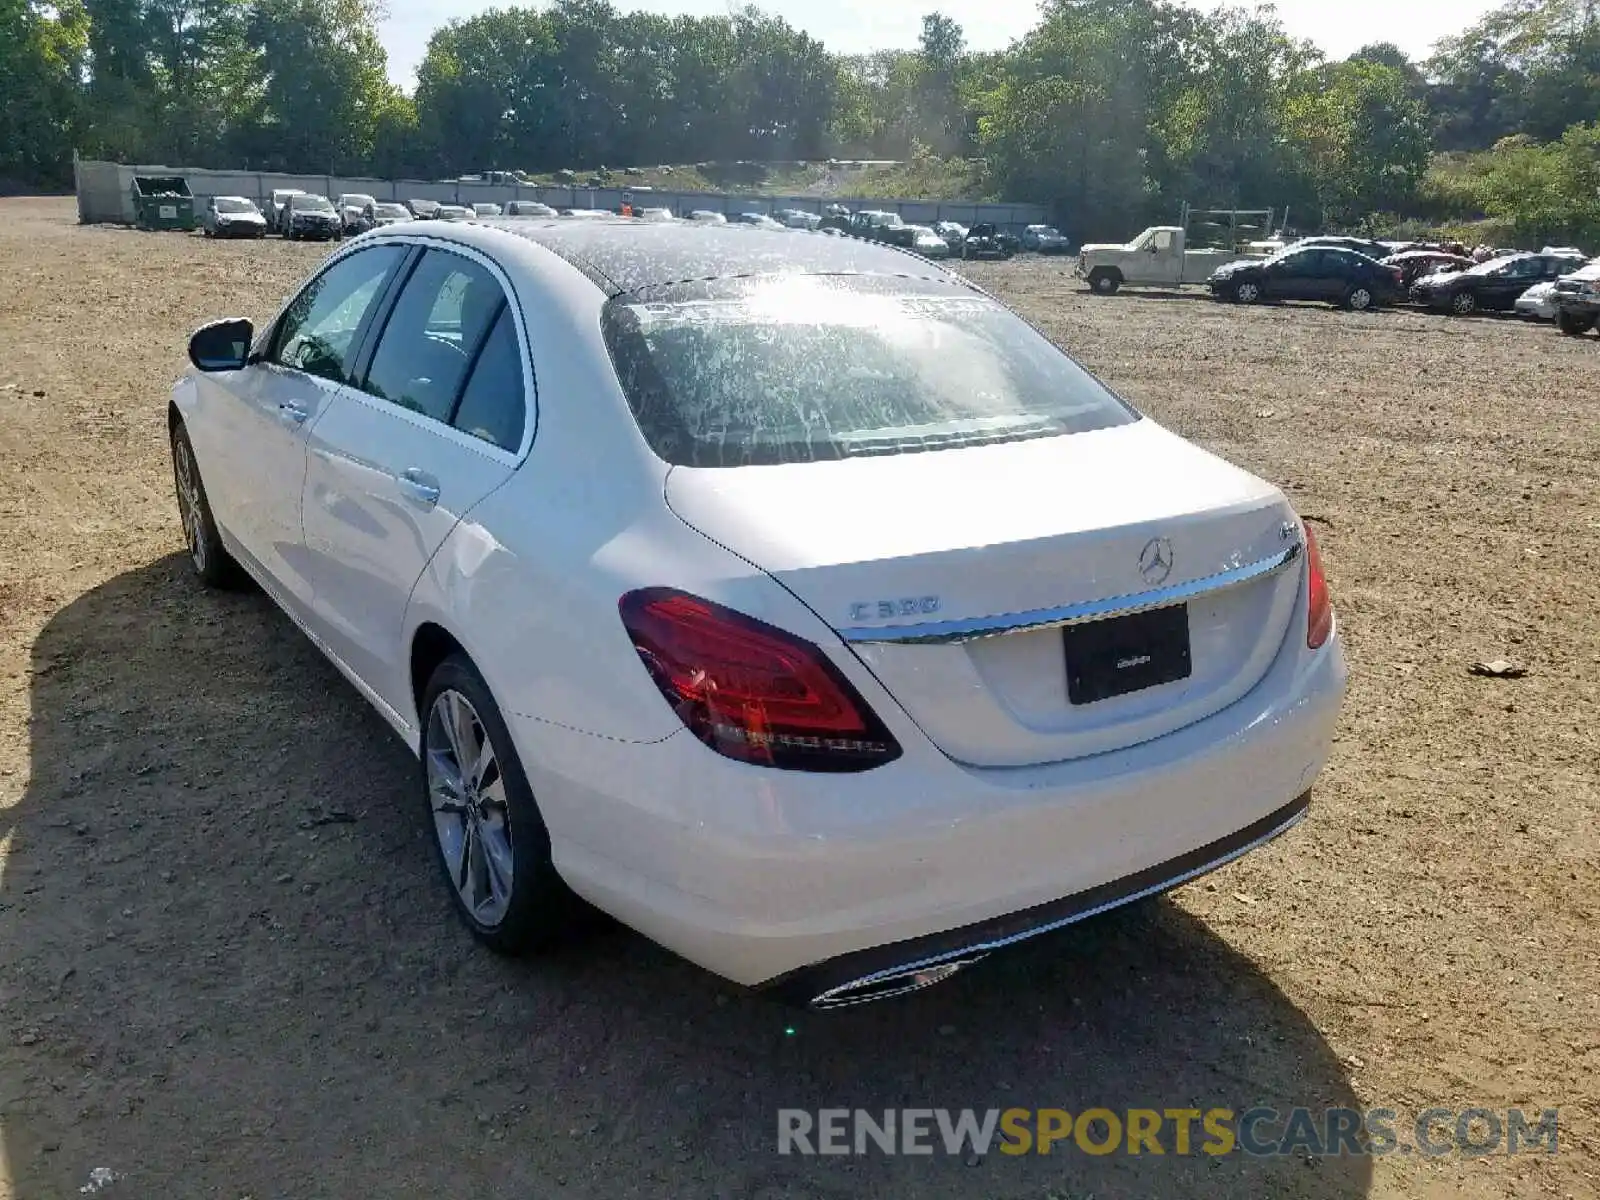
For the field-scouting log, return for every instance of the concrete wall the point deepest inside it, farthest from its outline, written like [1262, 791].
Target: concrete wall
[105, 195]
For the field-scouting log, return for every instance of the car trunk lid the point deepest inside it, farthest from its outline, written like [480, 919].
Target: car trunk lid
[950, 574]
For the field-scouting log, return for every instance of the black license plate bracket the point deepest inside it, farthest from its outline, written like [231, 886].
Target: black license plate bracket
[1120, 655]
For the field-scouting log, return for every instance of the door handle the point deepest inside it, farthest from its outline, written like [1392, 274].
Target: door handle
[418, 486]
[295, 414]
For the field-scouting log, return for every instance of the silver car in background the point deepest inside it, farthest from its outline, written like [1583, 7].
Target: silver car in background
[232, 216]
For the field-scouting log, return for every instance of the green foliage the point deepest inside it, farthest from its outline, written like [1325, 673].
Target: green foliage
[1116, 112]
[41, 65]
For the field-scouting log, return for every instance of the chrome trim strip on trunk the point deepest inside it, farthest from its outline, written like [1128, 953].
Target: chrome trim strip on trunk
[949, 632]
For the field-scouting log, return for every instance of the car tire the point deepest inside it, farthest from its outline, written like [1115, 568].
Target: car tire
[1572, 325]
[212, 563]
[1247, 291]
[492, 840]
[1104, 282]
[1360, 299]
[1463, 303]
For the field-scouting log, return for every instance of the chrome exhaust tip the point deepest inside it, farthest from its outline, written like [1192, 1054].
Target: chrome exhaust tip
[885, 985]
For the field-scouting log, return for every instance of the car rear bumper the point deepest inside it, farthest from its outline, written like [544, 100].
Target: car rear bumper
[901, 967]
[757, 874]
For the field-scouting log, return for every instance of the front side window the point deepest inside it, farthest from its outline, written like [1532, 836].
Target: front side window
[317, 333]
[804, 368]
[447, 308]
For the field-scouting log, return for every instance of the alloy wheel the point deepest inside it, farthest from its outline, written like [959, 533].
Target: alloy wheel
[1247, 293]
[1361, 299]
[190, 504]
[471, 817]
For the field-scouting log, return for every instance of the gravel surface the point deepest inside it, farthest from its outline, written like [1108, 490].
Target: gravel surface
[227, 967]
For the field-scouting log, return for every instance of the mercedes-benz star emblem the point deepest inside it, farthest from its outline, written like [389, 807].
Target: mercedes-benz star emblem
[1155, 561]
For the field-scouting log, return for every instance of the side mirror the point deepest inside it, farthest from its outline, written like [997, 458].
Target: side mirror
[222, 345]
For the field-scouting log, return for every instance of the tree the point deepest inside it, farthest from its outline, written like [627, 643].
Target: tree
[1363, 139]
[42, 52]
[323, 81]
[1530, 66]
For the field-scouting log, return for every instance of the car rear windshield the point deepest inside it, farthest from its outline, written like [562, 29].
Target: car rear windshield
[804, 368]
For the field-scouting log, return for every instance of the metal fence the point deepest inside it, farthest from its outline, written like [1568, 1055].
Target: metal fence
[105, 195]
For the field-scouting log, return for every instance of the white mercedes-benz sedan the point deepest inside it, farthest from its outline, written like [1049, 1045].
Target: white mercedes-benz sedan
[785, 596]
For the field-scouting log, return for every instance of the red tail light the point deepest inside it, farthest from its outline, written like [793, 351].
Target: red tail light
[1319, 606]
[749, 690]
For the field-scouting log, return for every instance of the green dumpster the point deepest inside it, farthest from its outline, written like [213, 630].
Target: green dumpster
[162, 202]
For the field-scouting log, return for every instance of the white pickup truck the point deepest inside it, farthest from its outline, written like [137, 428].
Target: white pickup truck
[1156, 258]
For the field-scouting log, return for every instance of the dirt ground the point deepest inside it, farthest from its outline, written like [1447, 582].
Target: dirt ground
[227, 968]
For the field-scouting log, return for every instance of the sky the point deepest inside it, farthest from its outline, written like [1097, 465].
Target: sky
[1339, 27]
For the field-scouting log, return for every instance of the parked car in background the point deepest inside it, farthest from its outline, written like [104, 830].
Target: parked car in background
[1044, 239]
[797, 218]
[380, 213]
[953, 232]
[892, 637]
[706, 217]
[1493, 285]
[529, 208]
[278, 207]
[874, 224]
[1538, 303]
[232, 216]
[313, 217]
[757, 220]
[928, 243]
[1415, 264]
[351, 206]
[1158, 257]
[1328, 273]
[900, 234]
[1577, 298]
[985, 240]
[423, 210]
[452, 212]
[654, 214]
[1371, 247]
[834, 223]
[486, 208]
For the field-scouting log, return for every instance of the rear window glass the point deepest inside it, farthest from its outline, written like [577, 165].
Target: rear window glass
[804, 368]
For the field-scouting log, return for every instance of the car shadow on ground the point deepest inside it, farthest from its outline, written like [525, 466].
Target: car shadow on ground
[229, 968]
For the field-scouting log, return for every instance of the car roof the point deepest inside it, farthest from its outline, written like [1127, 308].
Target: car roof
[624, 255]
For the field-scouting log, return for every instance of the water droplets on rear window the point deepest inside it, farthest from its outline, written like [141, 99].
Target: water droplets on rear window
[801, 368]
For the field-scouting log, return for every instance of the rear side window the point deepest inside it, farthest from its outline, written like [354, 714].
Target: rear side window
[434, 332]
[804, 368]
[494, 407]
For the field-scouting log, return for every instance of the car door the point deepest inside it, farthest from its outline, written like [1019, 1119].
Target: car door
[1501, 289]
[438, 418]
[1330, 276]
[1166, 262]
[258, 422]
[1291, 277]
